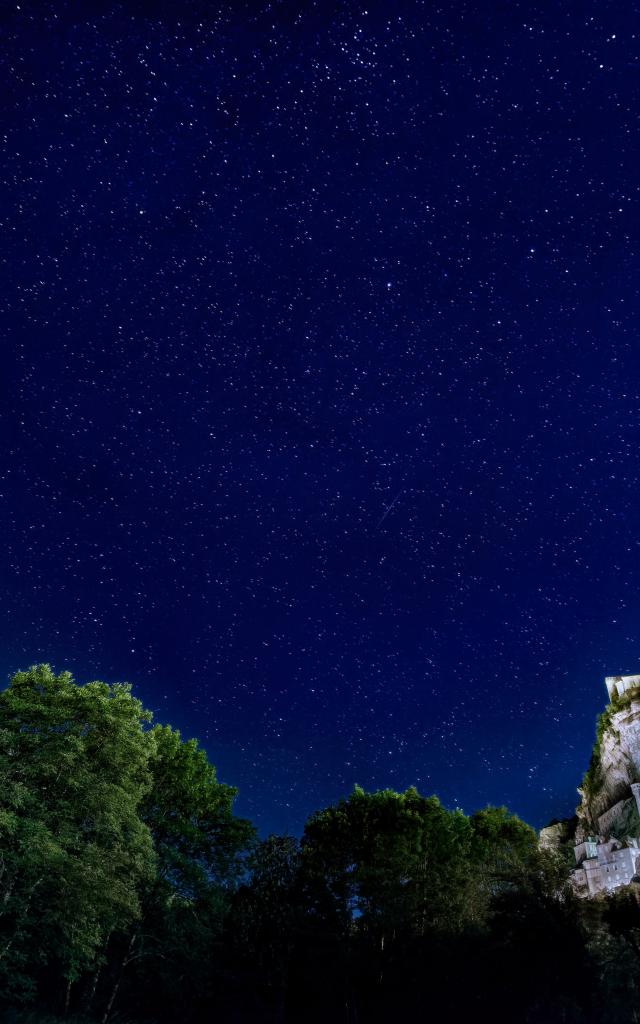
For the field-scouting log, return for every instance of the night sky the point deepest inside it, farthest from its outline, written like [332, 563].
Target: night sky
[320, 380]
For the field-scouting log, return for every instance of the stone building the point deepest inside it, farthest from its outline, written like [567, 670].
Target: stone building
[617, 685]
[607, 836]
[604, 865]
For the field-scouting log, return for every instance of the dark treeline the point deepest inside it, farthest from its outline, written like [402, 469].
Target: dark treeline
[130, 892]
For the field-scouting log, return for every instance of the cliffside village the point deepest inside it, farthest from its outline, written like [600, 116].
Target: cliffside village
[611, 858]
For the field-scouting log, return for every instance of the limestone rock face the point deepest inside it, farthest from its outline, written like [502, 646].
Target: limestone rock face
[554, 836]
[605, 833]
[606, 789]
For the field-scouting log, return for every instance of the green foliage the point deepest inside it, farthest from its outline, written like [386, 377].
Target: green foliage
[189, 813]
[118, 845]
[73, 771]
[200, 848]
[268, 917]
[504, 851]
[128, 886]
[391, 860]
[495, 830]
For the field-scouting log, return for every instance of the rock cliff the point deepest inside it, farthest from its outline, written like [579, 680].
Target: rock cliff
[608, 804]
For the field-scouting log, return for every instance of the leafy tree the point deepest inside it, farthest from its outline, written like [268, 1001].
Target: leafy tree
[200, 848]
[267, 920]
[504, 851]
[73, 771]
[391, 861]
[197, 838]
[380, 873]
[119, 851]
[124, 874]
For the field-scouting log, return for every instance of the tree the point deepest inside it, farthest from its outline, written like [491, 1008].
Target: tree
[197, 838]
[382, 874]
[266, 921]
[505, 852]
[392, 861]
[75, 854]
[200, 848]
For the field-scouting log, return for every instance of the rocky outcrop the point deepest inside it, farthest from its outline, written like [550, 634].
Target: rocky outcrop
[603, 839]
[608, 805]
[557, 834]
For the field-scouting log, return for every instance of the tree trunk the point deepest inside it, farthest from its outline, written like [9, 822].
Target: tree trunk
[92, 990]
[67, 998]
[116, 986]
[112, 998]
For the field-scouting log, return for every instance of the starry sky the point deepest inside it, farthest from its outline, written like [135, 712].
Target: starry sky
[320, 382]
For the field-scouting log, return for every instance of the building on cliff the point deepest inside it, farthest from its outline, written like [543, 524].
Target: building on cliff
[604, 865]
[605, 834]
[617, 685]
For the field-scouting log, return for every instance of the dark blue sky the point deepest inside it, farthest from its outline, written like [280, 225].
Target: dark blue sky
[320, 382]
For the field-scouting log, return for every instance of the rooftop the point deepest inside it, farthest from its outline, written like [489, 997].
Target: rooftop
[616, 685]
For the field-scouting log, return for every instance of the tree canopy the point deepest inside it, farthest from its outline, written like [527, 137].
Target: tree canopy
[106, 823]
[129, 886]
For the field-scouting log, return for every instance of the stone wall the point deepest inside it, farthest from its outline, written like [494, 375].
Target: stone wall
[617, 685]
